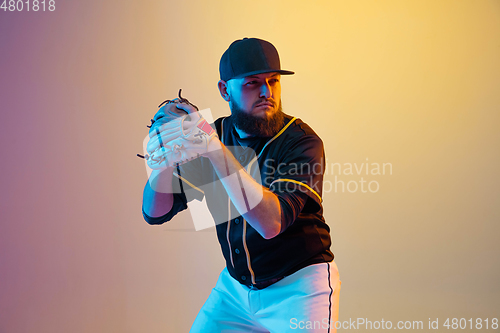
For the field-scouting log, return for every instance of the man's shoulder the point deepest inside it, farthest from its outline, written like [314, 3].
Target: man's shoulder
[299, 128]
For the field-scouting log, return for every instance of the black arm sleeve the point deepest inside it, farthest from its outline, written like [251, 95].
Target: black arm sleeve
[291, 206]
[299, 178]
[180, 204]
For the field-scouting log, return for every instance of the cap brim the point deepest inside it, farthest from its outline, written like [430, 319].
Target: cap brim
[281, 71]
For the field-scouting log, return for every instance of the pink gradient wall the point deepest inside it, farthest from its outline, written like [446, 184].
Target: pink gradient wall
[410, 83]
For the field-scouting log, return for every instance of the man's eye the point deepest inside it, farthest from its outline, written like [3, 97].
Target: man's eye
[251, 82]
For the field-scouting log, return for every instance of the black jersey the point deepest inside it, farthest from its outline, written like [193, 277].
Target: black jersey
[291, 165]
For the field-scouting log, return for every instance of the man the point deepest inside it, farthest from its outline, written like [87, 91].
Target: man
[279, 275]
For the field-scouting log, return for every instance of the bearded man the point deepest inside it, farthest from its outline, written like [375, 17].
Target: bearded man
[263, 187]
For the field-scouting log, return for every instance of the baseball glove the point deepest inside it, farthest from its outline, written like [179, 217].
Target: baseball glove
[167, 112]
[177, 136]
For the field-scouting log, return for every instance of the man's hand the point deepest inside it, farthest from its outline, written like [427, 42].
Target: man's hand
[176, 119]
[166, 113]
[180, 140]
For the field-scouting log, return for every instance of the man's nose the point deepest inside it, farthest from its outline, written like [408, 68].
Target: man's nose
[265, 90]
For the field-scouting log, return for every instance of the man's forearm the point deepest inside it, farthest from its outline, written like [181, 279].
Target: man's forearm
[157, 199]
[265, 217]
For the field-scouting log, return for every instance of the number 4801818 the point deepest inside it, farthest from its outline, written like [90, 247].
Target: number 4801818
[28, 5]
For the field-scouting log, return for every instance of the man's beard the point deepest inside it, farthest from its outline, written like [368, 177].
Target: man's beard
[254, 125]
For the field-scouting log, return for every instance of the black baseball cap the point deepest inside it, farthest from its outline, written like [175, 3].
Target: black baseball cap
[249, 56]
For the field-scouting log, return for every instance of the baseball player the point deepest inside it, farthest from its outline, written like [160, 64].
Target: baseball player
[261, 173]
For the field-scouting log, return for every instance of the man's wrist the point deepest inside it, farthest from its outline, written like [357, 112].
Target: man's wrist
[214, 148]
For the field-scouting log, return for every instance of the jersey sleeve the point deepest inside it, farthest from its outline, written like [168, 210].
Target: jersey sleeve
[180, 204]
[185, 186]
[298, 178]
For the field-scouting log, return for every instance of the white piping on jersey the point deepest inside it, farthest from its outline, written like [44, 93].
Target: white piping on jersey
[268, 142]
[222, 130]
[247, 253]
[297, 182]
[228, 227]
[187, 182]
[228, 203]
[252, 274]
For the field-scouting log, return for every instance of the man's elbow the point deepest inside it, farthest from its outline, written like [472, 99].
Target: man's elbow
[156, 220]
[271, 231]
[150, 222]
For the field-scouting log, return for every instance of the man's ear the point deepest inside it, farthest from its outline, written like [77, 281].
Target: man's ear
[223, 89]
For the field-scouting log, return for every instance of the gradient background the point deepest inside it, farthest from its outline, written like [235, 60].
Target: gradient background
[411, 83]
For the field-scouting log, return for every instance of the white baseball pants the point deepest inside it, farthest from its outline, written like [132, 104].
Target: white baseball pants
[306, 301]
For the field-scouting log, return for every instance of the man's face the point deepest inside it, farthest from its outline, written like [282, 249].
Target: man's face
[259, 95]
[255, 103]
